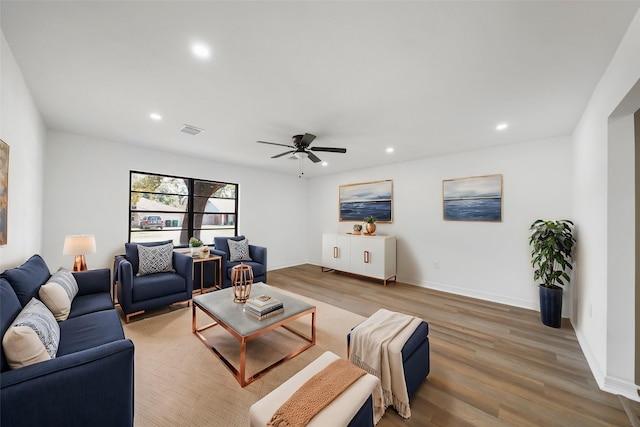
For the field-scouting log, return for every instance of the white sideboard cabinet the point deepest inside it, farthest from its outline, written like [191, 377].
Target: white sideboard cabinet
[371, 256]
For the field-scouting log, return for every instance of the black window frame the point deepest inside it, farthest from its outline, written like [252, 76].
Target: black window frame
[190, 212]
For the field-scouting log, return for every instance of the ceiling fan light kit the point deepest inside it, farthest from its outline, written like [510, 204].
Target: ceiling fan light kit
[300, 154]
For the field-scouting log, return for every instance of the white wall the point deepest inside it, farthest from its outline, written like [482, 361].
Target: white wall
[621, 261]
[603, 190]
[22, 128]
[479, 259]
[87, 191]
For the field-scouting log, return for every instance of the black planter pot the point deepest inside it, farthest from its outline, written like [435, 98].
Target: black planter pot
[551, 306]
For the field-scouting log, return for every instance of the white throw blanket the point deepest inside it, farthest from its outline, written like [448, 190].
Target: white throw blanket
[375, 347]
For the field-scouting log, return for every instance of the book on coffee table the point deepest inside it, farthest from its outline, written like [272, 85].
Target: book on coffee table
[262, 300]
[264, 316]
[263, 303]
[262, 311]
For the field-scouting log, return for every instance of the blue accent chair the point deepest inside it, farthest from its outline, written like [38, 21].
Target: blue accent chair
[136, 294]
[90, 381]
[258, 255]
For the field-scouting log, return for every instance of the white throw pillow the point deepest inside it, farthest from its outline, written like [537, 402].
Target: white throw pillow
[56, 299]
[64, 278]
[58, 293]
[155, 259]
[239, 251]
[33, 336]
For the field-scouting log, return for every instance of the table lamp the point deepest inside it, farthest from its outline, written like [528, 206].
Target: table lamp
[78, 246]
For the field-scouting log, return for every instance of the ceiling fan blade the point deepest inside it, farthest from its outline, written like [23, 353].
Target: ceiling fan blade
[313, 157]
[307, 139]
[283, 154]
[275, 143]
[329, 149]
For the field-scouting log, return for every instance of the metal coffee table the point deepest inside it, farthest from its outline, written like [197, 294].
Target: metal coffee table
[220, 307]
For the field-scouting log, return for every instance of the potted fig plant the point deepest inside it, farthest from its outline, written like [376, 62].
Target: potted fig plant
[371, 224]
[552, 245]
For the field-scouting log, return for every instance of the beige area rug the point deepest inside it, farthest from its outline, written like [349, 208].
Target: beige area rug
[180, 382]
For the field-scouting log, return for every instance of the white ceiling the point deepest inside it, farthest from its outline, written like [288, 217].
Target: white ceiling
[425, 77]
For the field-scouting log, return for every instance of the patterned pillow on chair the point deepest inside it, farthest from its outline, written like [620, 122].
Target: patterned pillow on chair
[239, 251]
[155, 259]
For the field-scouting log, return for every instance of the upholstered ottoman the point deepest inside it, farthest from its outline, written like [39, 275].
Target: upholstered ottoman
[353, 408]
[415, 357]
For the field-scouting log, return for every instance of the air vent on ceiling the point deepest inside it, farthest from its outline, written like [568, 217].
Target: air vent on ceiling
[191, 130]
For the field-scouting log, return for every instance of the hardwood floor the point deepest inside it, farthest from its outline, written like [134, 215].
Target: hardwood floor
[491, 364]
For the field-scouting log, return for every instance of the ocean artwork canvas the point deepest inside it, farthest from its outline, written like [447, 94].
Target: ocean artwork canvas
[477, 198]
[367, 199]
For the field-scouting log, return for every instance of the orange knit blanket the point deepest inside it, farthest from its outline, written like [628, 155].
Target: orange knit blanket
[314, 395]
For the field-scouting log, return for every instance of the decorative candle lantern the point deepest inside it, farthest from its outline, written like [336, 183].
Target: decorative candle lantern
[241, 280]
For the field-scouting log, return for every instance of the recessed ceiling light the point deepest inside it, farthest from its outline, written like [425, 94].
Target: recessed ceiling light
[200, 50]
[502, 126]
[390, 150]
[324, 163]
[155, 116]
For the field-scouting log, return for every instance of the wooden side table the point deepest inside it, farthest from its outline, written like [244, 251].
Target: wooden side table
[218, 282]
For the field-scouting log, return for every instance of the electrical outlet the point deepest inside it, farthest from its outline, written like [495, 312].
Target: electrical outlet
[436, 265]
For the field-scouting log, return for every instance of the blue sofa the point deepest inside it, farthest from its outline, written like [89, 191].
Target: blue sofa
[258, 264]
[90, 381]
[136, 294]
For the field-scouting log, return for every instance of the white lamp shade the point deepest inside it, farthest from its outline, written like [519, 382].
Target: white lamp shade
[79, 244]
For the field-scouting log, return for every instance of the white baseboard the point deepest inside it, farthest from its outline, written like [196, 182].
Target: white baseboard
[606, 383]
[500, 299]
[596, 369]
[286, 265]
[621, 387]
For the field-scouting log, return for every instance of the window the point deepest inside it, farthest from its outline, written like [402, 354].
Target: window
[163, 207]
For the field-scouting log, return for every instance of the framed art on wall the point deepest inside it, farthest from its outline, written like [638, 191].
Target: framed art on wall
[476, 198]
[367, 199]
[4, 190]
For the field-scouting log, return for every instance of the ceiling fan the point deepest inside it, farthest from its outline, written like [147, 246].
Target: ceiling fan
[301, 148]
